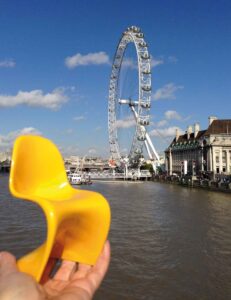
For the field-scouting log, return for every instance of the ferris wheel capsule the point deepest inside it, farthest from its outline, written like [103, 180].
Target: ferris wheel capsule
[145, 104]
[145, 55]
[143, 44]
[146, 72]
[146, 88]
[140, 35]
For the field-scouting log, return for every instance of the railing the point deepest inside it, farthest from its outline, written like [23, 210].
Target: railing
[130, 175]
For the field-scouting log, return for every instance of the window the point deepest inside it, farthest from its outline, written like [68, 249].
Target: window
[223, 157]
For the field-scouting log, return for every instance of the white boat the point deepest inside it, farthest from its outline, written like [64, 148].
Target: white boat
[77, 178]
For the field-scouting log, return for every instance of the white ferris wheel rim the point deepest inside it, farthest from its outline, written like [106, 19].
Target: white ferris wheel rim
[142, 116]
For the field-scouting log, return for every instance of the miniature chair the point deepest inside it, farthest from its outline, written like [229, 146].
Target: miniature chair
[77, 221]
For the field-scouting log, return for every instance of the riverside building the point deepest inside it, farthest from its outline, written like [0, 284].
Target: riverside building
[198, 151]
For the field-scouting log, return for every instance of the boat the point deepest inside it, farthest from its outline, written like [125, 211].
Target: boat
[78, 179]
[74, 178]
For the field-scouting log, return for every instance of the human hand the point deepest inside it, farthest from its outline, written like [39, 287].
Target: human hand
[71, 282]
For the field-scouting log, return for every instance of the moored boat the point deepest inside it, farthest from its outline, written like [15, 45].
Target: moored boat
[78, 179]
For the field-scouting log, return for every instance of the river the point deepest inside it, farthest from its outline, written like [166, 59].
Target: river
[168, 242]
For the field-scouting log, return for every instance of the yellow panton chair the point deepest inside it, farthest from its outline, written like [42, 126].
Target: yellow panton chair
[77, 221]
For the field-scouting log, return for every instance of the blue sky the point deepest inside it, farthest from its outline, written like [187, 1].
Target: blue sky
[190, 42]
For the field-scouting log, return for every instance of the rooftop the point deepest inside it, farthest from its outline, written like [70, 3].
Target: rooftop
[219, 127]
[216, 127]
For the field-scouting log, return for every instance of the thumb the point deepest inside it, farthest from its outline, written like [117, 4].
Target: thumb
[7, 263]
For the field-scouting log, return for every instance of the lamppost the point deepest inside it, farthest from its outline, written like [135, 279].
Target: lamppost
[126, 162]
[182, 169]
[112, 165]
[194, 168]
[141, 160]
[202, 158]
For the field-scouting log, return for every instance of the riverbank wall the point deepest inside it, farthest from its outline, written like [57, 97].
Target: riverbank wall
[191, 182]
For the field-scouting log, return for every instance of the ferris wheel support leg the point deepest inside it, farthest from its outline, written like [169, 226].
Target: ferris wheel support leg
[148, 150]
[148, 141]
[135, 113]
[153, 155]
[151, 146]
[152, 152]
[150, 156]
[154, 167]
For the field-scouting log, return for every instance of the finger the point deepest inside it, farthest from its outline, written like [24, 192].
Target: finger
[84, 267]
[82, 271]
[104, 259]
[65, 271]
[100, 268]
[7, 263]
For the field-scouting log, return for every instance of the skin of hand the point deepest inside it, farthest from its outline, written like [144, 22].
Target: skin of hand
[71, 282]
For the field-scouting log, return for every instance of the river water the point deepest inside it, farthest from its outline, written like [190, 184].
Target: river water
[168, 242]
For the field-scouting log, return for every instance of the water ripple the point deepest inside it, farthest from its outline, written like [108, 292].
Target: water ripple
[168, 242]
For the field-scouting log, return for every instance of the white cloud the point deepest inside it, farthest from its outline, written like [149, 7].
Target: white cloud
[52, 100]
[98, 128]
[6, 141]
[126, 123]
[166, 132]
[78, 59]
[172, 115]
[162, 123]
[129, 63]
[68, 150]
[172, 59]
[187, 118]
[92, 151]
[167, 91]
[7, 63]
[79, 118]
[28, 130]
[69, 131]
[156, 62]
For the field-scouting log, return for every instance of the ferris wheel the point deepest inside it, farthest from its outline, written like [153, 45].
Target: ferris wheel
[139, 108]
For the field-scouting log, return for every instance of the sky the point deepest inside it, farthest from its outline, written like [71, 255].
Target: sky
[55, 65]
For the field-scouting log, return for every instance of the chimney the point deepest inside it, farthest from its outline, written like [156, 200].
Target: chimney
[211, 119]
[196, 129]
[177, 134]
[189, 131]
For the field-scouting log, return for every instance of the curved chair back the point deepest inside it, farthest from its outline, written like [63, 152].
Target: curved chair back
[36, 165]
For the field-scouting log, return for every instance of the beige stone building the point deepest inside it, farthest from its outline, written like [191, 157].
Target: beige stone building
[201, 150]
